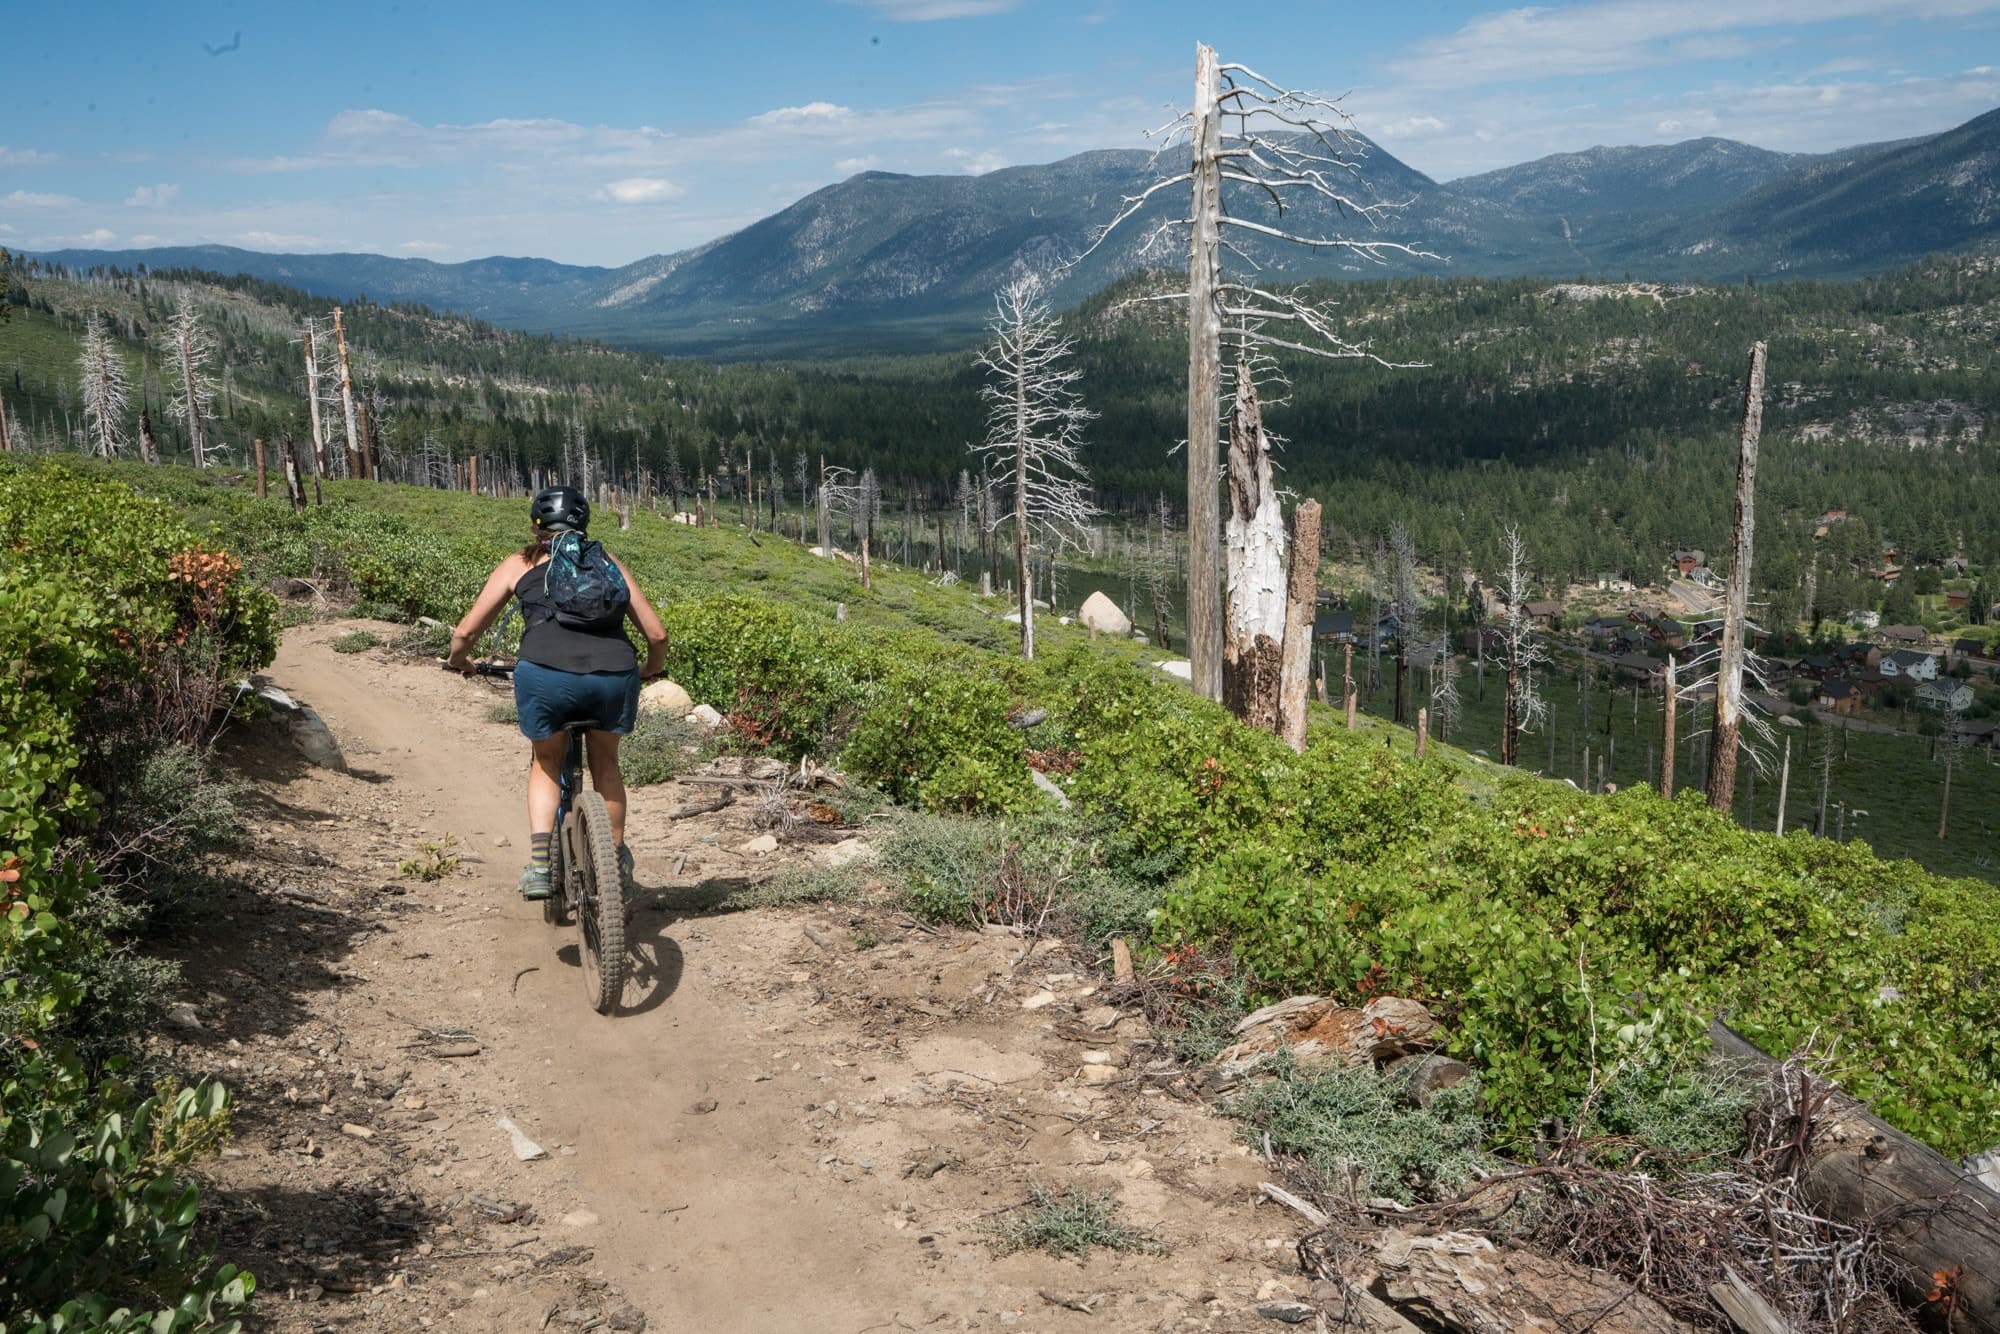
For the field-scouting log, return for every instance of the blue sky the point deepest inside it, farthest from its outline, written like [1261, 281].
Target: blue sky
[600, 133]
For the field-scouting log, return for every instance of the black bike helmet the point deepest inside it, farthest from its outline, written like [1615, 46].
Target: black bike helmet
[560, 509]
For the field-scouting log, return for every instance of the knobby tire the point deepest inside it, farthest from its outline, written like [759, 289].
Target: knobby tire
[601, 913]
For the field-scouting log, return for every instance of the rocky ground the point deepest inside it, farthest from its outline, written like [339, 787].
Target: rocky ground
[801, 1117]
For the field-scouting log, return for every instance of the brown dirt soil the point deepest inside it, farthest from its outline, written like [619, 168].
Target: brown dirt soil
[802, 1117]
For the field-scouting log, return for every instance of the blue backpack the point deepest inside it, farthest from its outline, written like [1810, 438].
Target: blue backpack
[585, 587]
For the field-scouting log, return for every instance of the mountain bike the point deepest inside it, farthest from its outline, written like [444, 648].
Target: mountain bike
[583, 871]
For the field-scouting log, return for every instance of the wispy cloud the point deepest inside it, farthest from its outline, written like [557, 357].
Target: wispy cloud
[639, 190]
[153, 196]
[424, 247]
[24, 157]
[25, 199]
[1521, 45]
[812, 113]
[278, 240]
[848, 166]
[929, 11]
[103, 236]
[975, 163]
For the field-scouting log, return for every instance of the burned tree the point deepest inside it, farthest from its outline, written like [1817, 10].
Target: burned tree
[1254, 532]
[191, 395]
[1524, 707]
[1034, 432]
[105, 393]
[1272, 149]
[1731, 660]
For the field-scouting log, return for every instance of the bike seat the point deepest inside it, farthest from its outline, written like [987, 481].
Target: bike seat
[583, 725]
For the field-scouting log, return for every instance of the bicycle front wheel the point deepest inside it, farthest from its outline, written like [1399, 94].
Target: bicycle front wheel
[601, 912]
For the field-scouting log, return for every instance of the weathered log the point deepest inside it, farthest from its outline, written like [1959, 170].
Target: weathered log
[1746, 1307]
[1932, 1217]
[1326, 1033]
[1461, 1281]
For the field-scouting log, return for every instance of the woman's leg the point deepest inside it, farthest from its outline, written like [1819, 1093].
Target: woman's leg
[602, 751]
[545, 782]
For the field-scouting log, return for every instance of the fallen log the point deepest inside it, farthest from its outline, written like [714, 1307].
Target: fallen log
[1940, 1225]
[1462, 1281]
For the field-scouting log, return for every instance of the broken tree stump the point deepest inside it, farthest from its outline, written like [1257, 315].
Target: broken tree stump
[1461, 1281]
[1323, 1033]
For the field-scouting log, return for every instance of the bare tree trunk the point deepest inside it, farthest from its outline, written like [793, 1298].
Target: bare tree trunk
[149, 444]
[1950, 750]
[312, 403]
[1667, 734]
[1729, 679]
[472, 474]
[191, 388]
[1204, 620]
[1253, 646]
[1300, 591]
[1347, 695]
[347, 398]
[1423, 730]
[259, 446]
[1021, 579]
[7, 440]
[292, 488]
[1784, 785]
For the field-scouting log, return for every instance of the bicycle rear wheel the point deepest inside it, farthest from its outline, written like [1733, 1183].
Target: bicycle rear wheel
[601, 912]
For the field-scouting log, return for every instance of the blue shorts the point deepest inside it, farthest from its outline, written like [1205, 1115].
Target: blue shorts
[547, 700]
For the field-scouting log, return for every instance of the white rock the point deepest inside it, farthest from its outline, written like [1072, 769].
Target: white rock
[759, 846]
[1038, 1000]
[1099, 1074]
[848, 850]
[665, 697]
[1101, 614]
[183, 1016]
[706, 715]
[277, 698]
[525, 1149]
[579, 1218]
[1178, 667]
[1048, 785]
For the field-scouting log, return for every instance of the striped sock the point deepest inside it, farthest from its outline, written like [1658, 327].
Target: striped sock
[538, 850]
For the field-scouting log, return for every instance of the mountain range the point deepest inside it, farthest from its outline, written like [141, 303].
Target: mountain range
[883, 261]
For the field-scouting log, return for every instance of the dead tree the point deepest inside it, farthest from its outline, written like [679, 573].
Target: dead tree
[1731, 662]
[1524, 707]
[105, 394]
[1254, 605]
[1034, 431]
[6, 432]
[313, 392]
[1301, 593]
[1403, 551]
[1952, 715]
[354, 464]
[186, 346]
[1784, 785]
[1275, 148]
[1667, 732]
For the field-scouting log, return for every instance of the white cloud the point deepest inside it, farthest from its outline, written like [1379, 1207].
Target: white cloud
[153, 196]
[279, 240]
[424, 247]
[5, 230]
[144, 239]
[848, 166]
[927, 11]
[23, 199]
[639, 190]
[24, 157]
[975, 164]
[103, 236]
[1410, 127]
[812, 113]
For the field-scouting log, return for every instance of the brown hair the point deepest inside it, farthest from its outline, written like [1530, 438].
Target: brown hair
[535, 549]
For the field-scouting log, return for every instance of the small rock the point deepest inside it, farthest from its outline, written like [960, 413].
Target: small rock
[1049, 788]
[848, 850]
[579, 1218]
[759, 846]
[1101, 1017]
[706, 715]
[629, 1319]
[183, 1016]
[1139, 1169]
[702, 1108]
[358, 1132]
[665, 697]
[315, 740]
[1292, 1313]
[1038, 1000]
[525, 1149]
[1099, 1074]
[1098, 1058]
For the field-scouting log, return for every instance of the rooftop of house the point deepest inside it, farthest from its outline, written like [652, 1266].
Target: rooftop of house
[1838, 689]
[1911, 634]
[1909, 657]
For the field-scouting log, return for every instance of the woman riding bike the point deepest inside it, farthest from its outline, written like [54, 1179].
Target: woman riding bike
[565, 674]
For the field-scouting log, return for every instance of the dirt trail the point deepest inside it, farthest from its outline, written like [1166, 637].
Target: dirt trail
[775, 1134]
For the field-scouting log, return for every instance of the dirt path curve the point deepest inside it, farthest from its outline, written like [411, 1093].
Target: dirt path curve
[778, 1132]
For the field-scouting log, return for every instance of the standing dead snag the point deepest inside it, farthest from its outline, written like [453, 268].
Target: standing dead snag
[1254, 624]
[1524, 707]
[1268, 148]
[1034, 432]
[185, 345]
[1667, 732]
[355, 467]
[1730, 664]
[105, 395]
[1300, 594]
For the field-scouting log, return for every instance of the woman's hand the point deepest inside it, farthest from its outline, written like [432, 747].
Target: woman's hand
[461, 661]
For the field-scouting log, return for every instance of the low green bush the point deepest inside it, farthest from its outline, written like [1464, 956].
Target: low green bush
[357, 641]
[1071, 1223]
[659, 749]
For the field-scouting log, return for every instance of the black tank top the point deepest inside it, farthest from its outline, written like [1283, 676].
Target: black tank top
[547, 642]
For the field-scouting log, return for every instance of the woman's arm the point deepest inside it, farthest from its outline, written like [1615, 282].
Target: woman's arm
[487, 607]
[649, 623]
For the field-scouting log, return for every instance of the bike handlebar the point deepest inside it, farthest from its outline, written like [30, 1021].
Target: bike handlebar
[482, 668]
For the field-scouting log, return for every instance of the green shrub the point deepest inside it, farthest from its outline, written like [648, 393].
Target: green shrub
[659, 749]
[1361, 1134]
[1072, 1224]
[1693, 1113]
[935, 733]
[357, 641]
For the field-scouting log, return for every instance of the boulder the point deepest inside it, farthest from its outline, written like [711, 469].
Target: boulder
[1178, 667]
[315, 740]
[846, 851]
[1321, 1033]
[1101, 615]
[665, 697]
[706, 715]
[1049, 788]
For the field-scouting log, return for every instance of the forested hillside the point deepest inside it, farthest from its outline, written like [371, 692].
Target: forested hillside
[1600, 419]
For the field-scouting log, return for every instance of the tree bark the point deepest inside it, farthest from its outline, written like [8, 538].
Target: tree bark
[1784, 785]
[1930, 1215]
[196, 443]
[1729, 678]
[1204, 622]
[1423, 730]
[1253, 650]
[1348, 699]
[1021, 579]
[1667, 734]
[149, 444]
[258, 445]
[292, 487]
[347, 397]
[1301, 589]
[7, 439]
